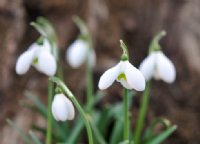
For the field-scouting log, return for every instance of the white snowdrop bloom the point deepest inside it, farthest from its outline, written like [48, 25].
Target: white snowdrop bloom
[38, 56]
[158, 66]
[125, 73]
[76, 54]
[62, 108]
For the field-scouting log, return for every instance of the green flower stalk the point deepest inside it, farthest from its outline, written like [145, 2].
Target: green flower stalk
[44, 27]
[130, 78]
[70, 95]
[81, 51]
[156, 65]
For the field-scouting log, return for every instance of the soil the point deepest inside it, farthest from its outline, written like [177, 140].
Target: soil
[134, 21]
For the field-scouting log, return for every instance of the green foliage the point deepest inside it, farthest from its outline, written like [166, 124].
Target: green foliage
[103, 125]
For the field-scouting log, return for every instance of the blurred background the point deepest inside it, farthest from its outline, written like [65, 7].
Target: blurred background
[134, 21]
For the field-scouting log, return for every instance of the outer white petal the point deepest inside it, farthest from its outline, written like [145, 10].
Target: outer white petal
[109, 77]
[71, 111]
[24, 62]
[165, 68]
[147, 67]
[59, 108]
[46, 63]
[76, 53]
[134, 77]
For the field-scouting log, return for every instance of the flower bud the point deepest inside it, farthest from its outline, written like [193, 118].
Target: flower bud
[62, 108]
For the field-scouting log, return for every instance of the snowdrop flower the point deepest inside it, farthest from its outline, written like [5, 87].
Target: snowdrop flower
[38, 56]
[62, 108]
[76, 54]
[157, 65]
[125, 73]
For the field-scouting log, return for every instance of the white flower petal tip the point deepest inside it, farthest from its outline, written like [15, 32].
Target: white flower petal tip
[24, 62]
[166, 69]
[147, 66]
[126, 74]
[76, 54]
[62, 108]
[134, 77]
[46, 63]
[108, 77]
[158, 66]
[40, 57]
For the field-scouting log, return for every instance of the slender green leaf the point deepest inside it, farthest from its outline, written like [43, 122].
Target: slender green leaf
[60, 132]
[97, 134]
[98, 96]
[150, 130]
[117, 132]
[34, 138]
[22, 134]
[41, 107]
[163, 136]
[75, 132]
[124, 142]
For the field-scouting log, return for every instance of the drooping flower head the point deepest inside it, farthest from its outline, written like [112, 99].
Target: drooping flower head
[124, 72]
[156, 64]
[81, 50]
[62, 108]
[39, 56]
[78, 53]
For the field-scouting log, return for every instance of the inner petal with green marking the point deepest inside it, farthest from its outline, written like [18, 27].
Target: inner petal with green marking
[35, 60]
[121, 76]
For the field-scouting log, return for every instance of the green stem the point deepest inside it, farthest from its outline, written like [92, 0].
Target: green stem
[78, 106]
[85, 34]
[142, 114]
[89, 87]
[49, 116]
[126, 115]
[86, 119]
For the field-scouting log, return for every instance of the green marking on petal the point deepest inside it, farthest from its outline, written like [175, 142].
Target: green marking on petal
[35, 60]
[121, 76]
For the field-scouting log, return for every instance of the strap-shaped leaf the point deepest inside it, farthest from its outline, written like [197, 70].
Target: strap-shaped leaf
[22, 134]
[162, 136]
[117, 132]
[98, 136]
[124, 142]
[38, 103]
[150, 130]
[39, 107]
[34, 138]
[151, 138]
[75, 132]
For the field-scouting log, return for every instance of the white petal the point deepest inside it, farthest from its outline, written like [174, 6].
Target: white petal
[165, 68]
[24, 62]
[125, 84]
[134, 77]
[59, 108]
[147, 67]
[71, 110]
[109, 77]
[46, 63]
[76, 53]
[46, 45]
[34, 46]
